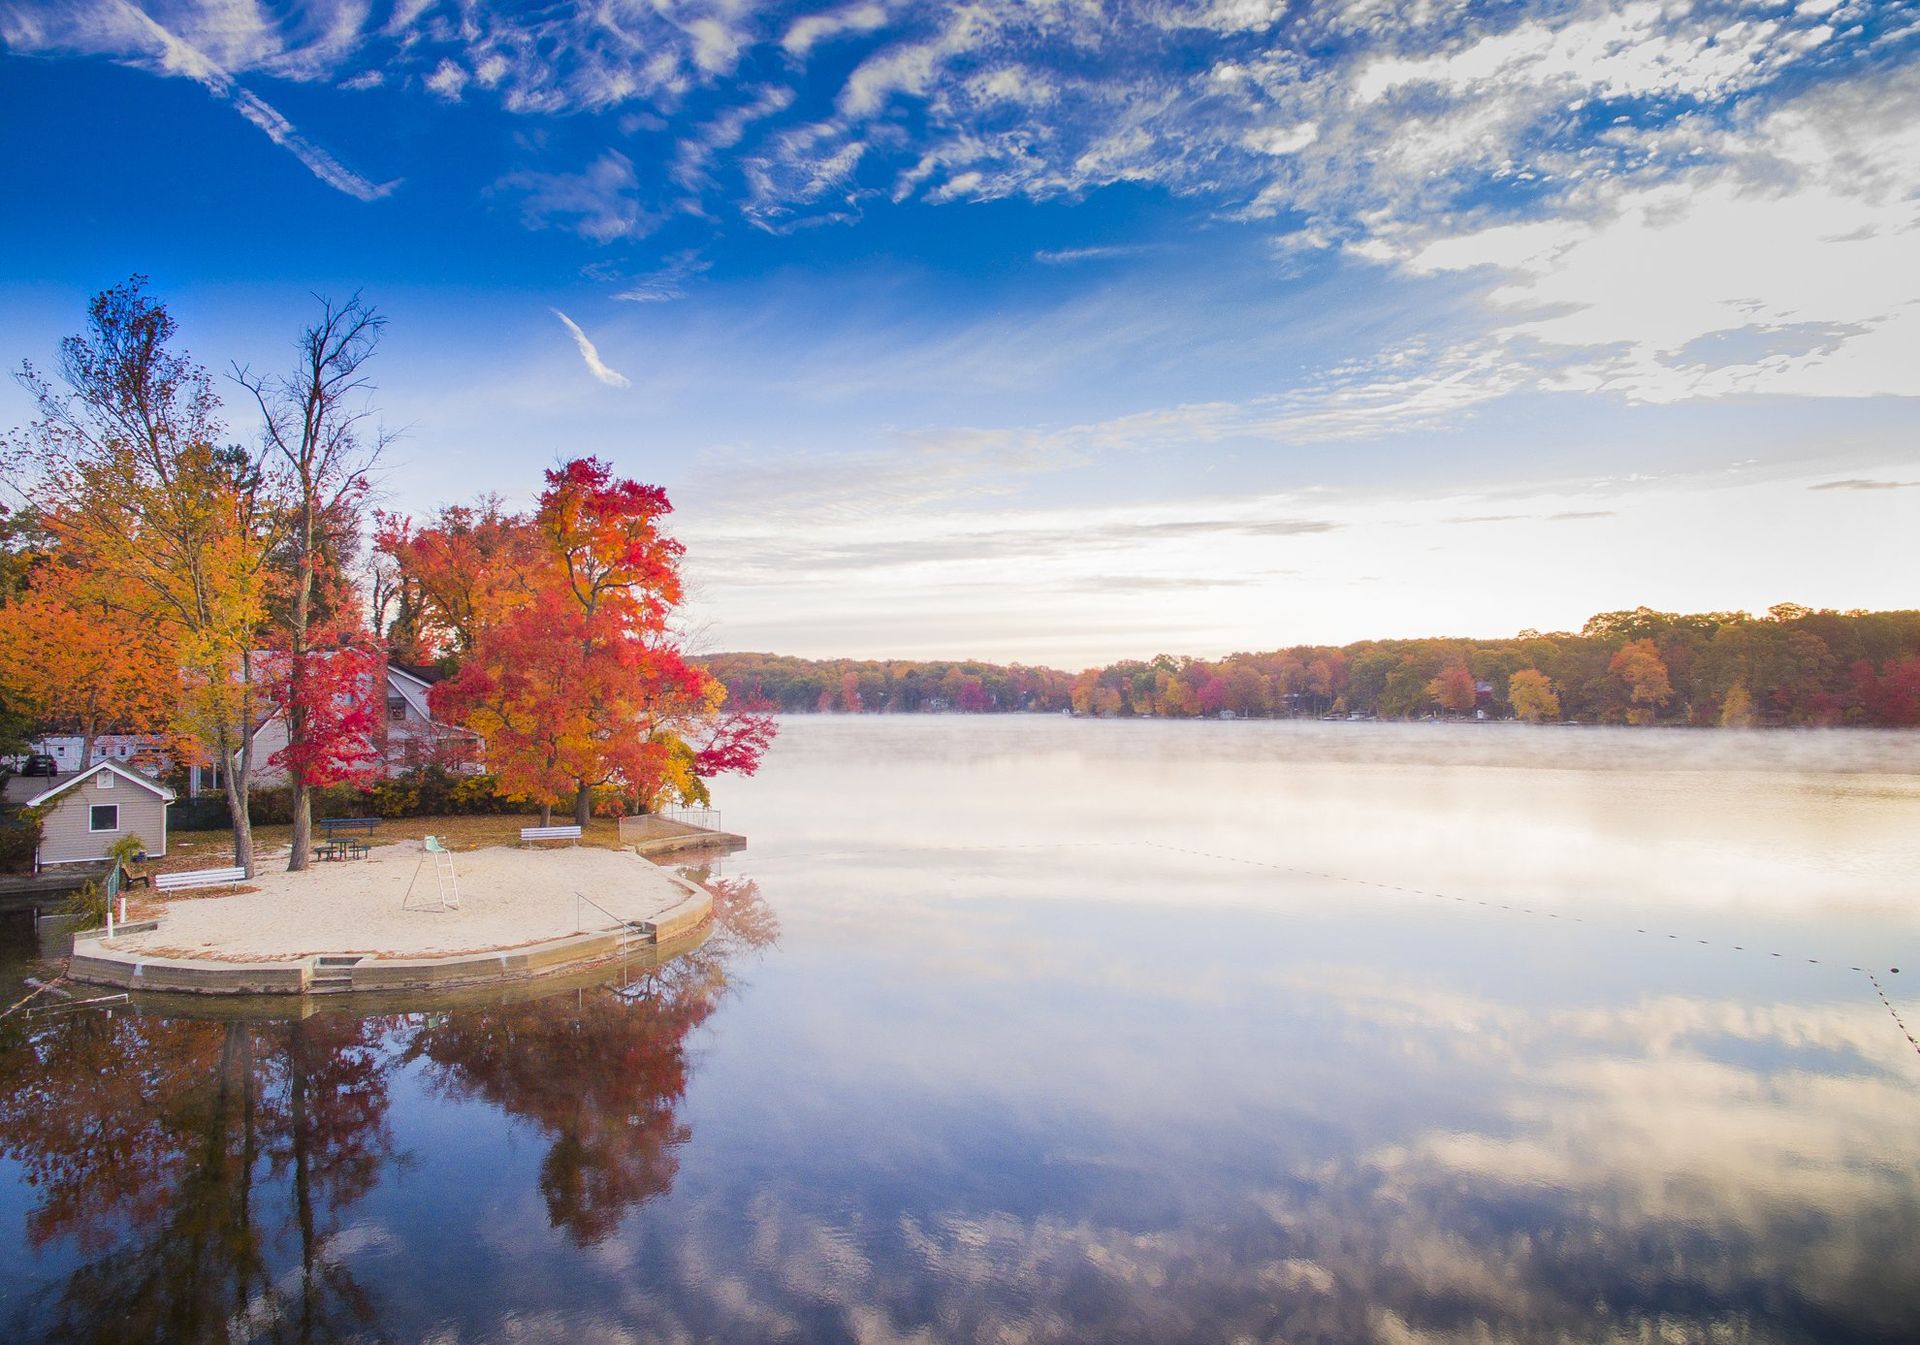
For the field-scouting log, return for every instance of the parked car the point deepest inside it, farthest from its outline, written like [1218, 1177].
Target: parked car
[40, 765]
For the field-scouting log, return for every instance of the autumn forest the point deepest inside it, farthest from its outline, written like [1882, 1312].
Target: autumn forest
[1793, 666]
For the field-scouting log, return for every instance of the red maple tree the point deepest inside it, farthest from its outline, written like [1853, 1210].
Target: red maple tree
[569, 666]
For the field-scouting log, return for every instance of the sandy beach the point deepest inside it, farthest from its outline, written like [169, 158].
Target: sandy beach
[508, 897]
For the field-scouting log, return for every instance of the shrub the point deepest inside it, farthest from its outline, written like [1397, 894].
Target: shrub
[431, 792]
[19, 839]
[88, 906]
[125, 850]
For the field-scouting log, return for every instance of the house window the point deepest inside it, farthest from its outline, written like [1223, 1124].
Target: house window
[103, 817]
[104, 780]
[396, 711]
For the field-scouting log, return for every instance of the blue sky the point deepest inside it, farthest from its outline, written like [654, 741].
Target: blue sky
[1057, 331]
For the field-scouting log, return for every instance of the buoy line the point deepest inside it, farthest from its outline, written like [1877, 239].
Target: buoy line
[1524, 910]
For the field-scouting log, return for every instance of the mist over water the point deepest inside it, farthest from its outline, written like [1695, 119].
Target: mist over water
[1026, 1028]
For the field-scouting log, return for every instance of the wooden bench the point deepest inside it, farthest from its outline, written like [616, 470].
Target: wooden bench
[528, 835]
[333, 826]
[171, 882]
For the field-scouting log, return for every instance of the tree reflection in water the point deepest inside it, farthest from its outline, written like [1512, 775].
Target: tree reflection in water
[203, 1170]
[192, 1161]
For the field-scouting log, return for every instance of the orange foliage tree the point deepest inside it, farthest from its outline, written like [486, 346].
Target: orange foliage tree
[1531, 693]
[70, 656]
[1639, 665]
[1453, 689]
[450, 577]
[173, 528]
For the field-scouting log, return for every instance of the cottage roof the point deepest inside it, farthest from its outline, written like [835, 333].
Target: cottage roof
[125, 774]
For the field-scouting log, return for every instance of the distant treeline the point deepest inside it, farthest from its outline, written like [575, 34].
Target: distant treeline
[1795, 665]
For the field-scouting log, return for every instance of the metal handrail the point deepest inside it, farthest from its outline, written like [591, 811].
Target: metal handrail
[579, 897]
[624, 926]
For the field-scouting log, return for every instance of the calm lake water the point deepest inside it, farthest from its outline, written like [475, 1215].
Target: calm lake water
[1023, 1029]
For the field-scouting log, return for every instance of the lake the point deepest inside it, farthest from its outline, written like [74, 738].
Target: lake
[1038, 1029]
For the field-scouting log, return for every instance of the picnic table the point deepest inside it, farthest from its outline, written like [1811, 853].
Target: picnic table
[342, 850]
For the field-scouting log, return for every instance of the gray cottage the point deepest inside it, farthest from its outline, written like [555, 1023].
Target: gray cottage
[85, 813]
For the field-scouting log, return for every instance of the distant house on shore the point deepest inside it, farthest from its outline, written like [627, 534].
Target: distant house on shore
[408, 738]
[85, 813]
[127, 749]
[413, 738]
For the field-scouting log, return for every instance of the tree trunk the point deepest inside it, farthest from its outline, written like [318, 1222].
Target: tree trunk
[239, 1040]
[235, 774]
[546, 814]
[296, 674]
[302, 826]
[583, 805]
[301, 1143]
[87, 735]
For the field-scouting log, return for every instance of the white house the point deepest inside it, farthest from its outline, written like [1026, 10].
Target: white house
[144, 749]
[414, 738]
[407, 739]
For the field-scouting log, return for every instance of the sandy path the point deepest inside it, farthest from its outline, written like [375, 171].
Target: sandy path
[508, 897]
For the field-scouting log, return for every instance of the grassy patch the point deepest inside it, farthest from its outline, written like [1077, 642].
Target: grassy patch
[214, 849]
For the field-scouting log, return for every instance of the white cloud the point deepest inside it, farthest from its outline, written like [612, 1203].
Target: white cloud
[716, 47]
[447, 80]
[1402, 109]
[591, 354]
[665, 284]
[808, 32]
[1074, 256]
[1634, 50]
[1792, 269]
[317, 160]
[602, 202]
[1233, 16]
[217, 42]
[698, 151]
[1285, 139]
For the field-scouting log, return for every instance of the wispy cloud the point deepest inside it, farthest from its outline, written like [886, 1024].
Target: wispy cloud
[130, 35]
[665, 283]
[601, 202]
[808, 32]
[1093, 539]
[1784, 262]
[1073, 256]
[1358, 117]
[1861, 484]
[591, 354]
[1564, 516]
[1121, 583]
[318, 161]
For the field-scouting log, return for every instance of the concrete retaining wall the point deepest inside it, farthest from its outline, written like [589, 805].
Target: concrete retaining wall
[692, 840]
[330, 974]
